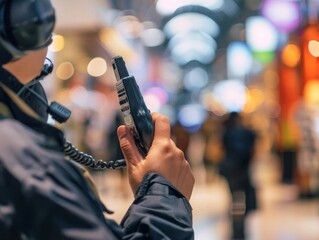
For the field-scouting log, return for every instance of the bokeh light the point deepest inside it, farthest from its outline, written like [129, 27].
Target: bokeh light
[155, 97]
[291, 55]
[284, 15]
[195, 79]
[97, 67]
[262, 38]
[188, 22]
[231, 94]
[191, 116]
[311, 92]
[57, 44]
[313, 47]
[65, 70]
[168, 7]
[192, 46]
[239, 60]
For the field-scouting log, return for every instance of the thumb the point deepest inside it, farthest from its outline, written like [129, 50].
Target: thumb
[129, 149]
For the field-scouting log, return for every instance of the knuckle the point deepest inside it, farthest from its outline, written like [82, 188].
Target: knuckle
[166, 145]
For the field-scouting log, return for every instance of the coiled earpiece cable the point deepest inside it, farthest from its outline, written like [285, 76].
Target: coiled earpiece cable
[87, 160]
[61, 114]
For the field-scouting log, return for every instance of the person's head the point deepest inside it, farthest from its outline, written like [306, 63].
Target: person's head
[234, 115]
[233, 118]
[26, 28]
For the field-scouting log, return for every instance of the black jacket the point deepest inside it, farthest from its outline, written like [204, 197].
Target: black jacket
[44, 196]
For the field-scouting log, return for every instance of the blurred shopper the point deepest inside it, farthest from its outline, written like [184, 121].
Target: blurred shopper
[115, 151]
[43, 195]
[181, 137]
[307, 119]
[238, 144]
[211, 133]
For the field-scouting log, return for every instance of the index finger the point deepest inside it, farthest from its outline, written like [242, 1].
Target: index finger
[162, 127]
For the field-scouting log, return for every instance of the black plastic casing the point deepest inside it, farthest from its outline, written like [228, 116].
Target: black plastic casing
[133, 107]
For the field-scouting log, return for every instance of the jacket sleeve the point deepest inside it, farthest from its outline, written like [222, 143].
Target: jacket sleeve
[159, 211]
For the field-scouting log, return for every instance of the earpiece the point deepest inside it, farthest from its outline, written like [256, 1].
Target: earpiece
[34, 95]
[27, 25]
[24, 25]
[46, 70]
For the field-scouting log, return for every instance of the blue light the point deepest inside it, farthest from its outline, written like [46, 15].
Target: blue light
[192, 116]
[239, 60]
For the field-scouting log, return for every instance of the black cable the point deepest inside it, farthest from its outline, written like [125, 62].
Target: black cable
[88, 161]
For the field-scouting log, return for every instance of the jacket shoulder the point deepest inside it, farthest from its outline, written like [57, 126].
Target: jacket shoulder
[14, 133]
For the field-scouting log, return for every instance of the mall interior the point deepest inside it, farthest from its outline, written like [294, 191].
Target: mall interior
[196, 61]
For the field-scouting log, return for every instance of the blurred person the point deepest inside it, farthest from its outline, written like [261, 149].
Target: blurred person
[44, 195]
[181, 137]
[238, 144]
[114, 151]
[211, 133]
[307, 120]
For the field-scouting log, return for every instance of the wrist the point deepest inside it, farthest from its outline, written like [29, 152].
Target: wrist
[155, 184]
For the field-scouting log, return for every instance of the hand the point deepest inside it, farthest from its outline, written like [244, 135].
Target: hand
[163, 158]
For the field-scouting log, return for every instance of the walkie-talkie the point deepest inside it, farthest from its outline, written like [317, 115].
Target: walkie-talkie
[137, 116]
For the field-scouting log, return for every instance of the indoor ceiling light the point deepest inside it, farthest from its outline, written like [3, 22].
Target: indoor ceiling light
[194, 46]
[168, 7]
[191, 21]
[152, 37]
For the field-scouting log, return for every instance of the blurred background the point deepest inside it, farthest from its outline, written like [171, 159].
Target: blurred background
[195, 62]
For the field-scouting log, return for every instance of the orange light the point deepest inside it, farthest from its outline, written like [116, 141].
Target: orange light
[311, 90]
[290, 55]
[310, 53]
[116, 45]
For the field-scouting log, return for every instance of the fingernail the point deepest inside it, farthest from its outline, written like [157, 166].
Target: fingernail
[122, 132]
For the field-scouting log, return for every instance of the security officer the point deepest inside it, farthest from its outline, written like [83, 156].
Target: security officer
[45, 196]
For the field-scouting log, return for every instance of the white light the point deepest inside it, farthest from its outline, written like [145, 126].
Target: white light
[193, 46]
[231, 94]
[313, 47]
[65, 70]
[83, 98]
[188, 22]
[167, 7]
[57, 43]
[239, 60]
[261, 34]
[79, 96]
[97, 67]
[152, 102]
[282, 12]
[285, 15]
[195, 79]
[155, 97]
[152, 37]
